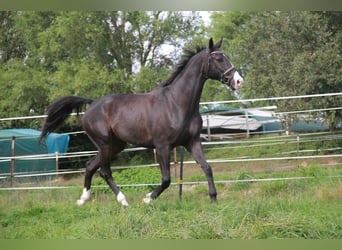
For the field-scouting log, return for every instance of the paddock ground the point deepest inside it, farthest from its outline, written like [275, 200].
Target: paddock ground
[283, 209]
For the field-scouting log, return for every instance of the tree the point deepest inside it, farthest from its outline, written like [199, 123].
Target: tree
[118, 40]
[286, 54]
[11, 42]
[23, 92]
[45, 55]
[230, 26]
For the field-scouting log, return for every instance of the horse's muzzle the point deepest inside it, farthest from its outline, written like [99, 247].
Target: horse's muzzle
[236, 82]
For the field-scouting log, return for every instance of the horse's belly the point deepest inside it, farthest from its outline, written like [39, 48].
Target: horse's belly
[137, 133]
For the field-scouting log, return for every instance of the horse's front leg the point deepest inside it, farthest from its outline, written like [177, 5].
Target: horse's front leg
[196, 150]
[163, 156]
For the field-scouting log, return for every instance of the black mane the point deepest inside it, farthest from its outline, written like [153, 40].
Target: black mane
[187, 55]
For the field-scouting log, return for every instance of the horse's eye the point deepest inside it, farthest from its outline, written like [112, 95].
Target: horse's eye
[220, 58]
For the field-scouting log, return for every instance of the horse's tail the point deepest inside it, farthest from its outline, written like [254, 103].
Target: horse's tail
[59, 111]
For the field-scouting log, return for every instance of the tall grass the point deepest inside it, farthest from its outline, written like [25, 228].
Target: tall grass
[296, 209]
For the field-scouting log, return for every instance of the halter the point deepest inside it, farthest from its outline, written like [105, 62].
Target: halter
[224, 73]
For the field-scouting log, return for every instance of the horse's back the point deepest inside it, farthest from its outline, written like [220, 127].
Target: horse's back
[141, 119]
[126, 116]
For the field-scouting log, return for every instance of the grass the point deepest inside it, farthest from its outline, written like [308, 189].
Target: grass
[293, 209]
[296, 209]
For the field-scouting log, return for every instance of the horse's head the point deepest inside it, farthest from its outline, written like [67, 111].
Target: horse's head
[220, 68]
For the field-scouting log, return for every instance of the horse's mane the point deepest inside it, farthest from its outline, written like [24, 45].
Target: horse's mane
[187, 55]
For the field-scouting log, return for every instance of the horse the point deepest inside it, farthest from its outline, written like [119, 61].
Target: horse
[162, 119]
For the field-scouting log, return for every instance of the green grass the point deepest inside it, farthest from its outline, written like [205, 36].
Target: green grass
[296, 209]
[292, 209]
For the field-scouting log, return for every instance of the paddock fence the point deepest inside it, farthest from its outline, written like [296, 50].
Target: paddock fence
[291, 151]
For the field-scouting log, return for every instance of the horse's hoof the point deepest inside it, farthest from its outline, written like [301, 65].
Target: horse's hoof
[148, 199]
[80, 202]
[213, 200]
[122, 199]
[84, 197]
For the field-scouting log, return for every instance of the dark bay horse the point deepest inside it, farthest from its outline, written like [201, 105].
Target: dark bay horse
[162, 119]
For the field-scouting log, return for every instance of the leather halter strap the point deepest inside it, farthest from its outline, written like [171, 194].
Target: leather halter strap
[224, 74]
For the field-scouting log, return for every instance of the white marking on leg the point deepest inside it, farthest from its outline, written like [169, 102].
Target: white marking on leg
[122, 199]
[148, 198]
[84, 197]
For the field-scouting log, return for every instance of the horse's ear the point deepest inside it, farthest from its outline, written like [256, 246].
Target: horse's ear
[211, 44]
[218, 45]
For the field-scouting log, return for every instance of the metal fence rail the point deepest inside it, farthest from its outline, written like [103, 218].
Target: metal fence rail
[233, 144]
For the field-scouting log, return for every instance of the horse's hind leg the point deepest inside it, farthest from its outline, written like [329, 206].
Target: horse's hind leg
[108, 148]
[91, 167]
[103, 159]
[106, 173]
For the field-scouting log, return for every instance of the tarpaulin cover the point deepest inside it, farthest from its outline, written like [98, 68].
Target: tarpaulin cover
[26, 143]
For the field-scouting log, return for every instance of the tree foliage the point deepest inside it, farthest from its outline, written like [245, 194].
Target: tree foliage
[45, 55]
[287, 54]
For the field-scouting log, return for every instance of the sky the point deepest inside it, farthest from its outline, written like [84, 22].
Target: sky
[205, 17]
[168, 49]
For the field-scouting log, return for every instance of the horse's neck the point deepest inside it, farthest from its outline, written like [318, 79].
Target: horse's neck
[187, 87]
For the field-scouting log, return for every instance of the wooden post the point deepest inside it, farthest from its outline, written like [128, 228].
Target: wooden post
[12, 161]
[175, 156]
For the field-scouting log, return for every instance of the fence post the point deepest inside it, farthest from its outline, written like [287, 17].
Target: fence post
[57, 160]
[12, 161]
[298, 144]
[180, 180]
[208, 128]
[175, 156]
[155, 155]
[247, 125]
